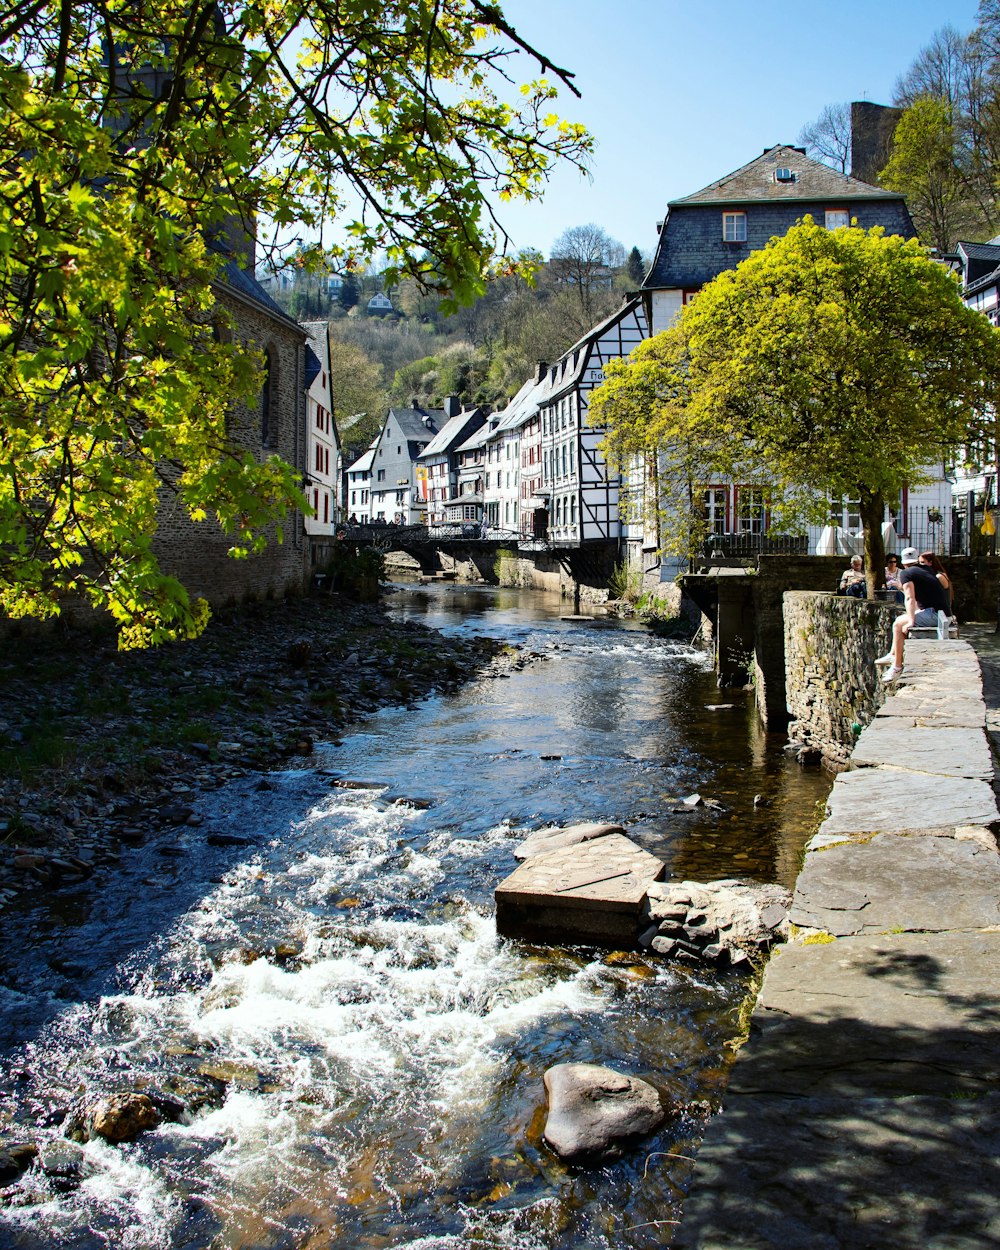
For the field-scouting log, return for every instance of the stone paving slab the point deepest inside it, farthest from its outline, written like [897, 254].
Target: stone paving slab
[877, 1016]
[592, 891]
[946, 708]
[779, 1173]
[870, 800]
[864, 1111]
[931, 884]
[944, 750]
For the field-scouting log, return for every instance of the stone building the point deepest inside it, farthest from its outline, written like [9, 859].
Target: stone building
[197, 552]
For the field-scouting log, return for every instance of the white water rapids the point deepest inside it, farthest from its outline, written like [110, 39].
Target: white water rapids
[357, 1054]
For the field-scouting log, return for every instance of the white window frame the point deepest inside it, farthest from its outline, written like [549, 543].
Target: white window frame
[734, 227]
[834, 218]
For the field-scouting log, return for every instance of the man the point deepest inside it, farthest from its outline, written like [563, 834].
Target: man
[853, 580]
[923, 598]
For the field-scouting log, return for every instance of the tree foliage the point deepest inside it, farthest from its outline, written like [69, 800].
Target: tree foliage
[924, 167]
[359, 396]
[827, 364]
[132, 137]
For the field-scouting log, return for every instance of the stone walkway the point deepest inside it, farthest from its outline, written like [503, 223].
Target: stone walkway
[864, 1111]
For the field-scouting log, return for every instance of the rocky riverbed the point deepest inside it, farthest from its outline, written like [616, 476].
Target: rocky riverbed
[99, 748]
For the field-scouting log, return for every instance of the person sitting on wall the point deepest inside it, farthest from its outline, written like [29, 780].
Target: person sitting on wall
[853, 580]
[930, 560]
[892, 576]
[924, 597]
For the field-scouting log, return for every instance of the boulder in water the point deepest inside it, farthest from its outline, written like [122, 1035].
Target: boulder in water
[122, 1117]
[593, 1108]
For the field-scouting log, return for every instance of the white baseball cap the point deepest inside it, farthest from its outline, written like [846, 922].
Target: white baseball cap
[909, 555]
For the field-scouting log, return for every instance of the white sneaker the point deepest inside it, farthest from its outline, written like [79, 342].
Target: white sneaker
[884, 660]
[891, 673]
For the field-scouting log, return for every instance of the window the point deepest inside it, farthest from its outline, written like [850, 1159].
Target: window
[326, 507]
[834, 217]
[734, 227]
[785, 175]
[713, 508]
[751, 510]
[380, 475]
[268, 393]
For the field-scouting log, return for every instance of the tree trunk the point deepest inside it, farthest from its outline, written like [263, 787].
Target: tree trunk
[872, 510]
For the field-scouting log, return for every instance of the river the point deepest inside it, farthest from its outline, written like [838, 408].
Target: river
[358, 1056]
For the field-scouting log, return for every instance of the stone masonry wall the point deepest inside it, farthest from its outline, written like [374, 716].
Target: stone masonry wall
[196, 553]
[831, 682]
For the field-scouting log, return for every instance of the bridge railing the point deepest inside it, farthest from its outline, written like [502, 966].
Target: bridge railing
[393, 535]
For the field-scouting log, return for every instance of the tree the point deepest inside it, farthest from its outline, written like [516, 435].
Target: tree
[636, 268]
[924, 166]
[961, 71]
[137, 140]
[828, 138]
[350, 291]
[359, 396]
[586, 259]
[827, 364]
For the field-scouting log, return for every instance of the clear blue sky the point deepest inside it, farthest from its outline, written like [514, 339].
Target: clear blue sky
[680, 92]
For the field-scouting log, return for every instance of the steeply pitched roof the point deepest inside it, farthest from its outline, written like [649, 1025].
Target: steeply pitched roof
[246, 287]
[363, 463]
[418, 423]
[453, 432]
[812, 180]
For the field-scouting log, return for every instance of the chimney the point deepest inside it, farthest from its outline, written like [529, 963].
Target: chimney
[452, 407]
[540, 371]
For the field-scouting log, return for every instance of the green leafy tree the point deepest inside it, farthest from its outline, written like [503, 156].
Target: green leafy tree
[359, 396]
[134, 140]
[828, 364]
[925, 167]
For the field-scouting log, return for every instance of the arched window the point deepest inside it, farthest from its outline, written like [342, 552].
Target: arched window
[268, 401]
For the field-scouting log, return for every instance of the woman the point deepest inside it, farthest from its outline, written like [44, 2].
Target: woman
[931, 561]
[892, 576]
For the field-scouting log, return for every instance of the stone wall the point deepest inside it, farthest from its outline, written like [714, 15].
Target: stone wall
[196, 552]
[831, 683]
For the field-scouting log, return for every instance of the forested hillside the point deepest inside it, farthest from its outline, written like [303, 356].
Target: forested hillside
[483, 353]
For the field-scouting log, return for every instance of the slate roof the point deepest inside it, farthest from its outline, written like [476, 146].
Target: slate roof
[313, 366]
[411, 421]
[691, 249]
[755, 182]
[246, 286]
[982, 251]
[982, 267]
[454, 429]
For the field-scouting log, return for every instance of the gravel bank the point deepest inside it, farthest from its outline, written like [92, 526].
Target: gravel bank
[99, 748]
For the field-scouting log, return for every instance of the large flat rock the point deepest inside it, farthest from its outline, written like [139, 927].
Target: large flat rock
[590, 892]
[941, 707]
[890, 882]
[876, 800]
[944, 750]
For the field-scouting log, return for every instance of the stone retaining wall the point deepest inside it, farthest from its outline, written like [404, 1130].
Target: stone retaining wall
[831, 683]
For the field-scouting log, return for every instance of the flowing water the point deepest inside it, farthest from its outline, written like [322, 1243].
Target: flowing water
[358, 1055]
